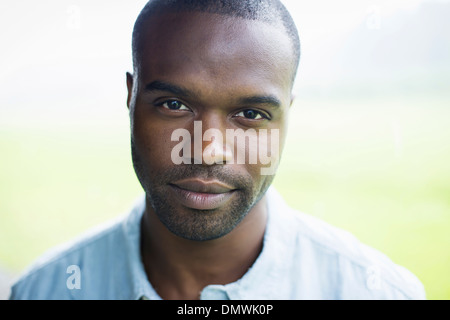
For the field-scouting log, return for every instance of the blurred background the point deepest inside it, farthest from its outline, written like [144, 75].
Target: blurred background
[368, 148]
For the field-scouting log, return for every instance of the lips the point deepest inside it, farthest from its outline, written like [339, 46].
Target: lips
[202, 194]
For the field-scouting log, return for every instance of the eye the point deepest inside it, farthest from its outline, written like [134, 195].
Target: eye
[251, 114]
[174, 105]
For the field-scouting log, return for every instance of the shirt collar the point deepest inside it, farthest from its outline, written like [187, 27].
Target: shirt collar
[140, 286]
[263, 279]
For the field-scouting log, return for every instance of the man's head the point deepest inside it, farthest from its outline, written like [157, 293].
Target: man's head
[269, 11]
[199, 66]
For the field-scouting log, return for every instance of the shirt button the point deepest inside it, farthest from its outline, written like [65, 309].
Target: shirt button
[214, 292]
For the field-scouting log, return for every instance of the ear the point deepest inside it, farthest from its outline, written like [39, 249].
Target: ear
[129, 88]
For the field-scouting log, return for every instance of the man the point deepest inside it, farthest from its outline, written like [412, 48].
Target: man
[210, 226]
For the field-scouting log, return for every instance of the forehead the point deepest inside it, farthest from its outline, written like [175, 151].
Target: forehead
[219, 50]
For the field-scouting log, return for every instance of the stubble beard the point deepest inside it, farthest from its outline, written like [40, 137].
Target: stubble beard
[192, 224]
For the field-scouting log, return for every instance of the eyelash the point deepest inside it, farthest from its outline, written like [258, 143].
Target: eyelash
[161, 104]
[263, 115]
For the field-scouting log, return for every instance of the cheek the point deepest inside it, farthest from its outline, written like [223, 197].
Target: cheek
[153, 142]
[260, 182]
[269, 148]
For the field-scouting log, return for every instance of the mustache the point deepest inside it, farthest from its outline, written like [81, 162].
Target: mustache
[216, 172]
[175, 173]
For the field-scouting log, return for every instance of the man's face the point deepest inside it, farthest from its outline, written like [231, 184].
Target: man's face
[222, 73]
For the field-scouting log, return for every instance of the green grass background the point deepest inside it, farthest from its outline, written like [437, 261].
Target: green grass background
[376, 167]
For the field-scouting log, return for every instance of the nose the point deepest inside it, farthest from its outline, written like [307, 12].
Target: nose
[209, 143]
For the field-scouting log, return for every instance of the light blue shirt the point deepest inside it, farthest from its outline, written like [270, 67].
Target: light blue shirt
[302, 258]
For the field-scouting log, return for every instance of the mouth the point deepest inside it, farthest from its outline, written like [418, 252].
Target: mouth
[202, 194]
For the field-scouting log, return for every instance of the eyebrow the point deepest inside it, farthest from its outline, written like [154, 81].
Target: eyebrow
[179, 91]
[269, 100]
[167, 87]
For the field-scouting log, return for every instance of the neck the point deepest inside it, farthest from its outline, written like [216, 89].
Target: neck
[180, 268]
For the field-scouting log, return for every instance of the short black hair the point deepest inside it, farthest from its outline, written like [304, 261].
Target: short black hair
[269, 11]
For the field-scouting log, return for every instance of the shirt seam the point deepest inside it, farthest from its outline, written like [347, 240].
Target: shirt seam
[70, 247]
[351, 259]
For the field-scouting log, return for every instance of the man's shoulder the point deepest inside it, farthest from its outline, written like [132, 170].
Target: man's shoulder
[356, 269]
[59, 272]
